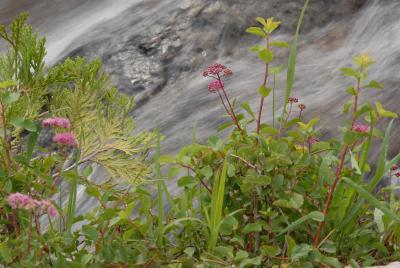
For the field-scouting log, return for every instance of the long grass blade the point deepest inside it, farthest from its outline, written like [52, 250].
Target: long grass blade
[292, 60]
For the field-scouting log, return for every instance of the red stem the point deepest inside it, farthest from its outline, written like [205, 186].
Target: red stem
[338, 170]
[232, 113]
[262, 98]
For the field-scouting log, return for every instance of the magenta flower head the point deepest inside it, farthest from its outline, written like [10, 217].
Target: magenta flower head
[65, 138]
[397, 174]
[360, 128]
[18, 200]
[215, 85]
[47, 207]
[313, 140]
[56, 122]
[216, 70]
[394, 167]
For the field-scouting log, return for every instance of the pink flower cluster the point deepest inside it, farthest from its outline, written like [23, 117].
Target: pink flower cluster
[293, 100]
[217, 71]
[313, 140]
[56, 122]
[215, 85]
[21, 201]
[65, 138]
[361, 128]
[396, 169]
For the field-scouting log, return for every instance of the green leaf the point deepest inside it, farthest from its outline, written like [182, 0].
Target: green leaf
[228, 225]
[270, 251]
[279, 44]
[189, 251]
[250, 262]
[351, 91]
[373, 84]
[5, 252]
[297, 200]
[90, 232]
[261, 20]
[300, 252]
[276, 70]
[93, 191]
[256, 31]
[7, 84]
[384, 113]
[166, 159]
[247, 108]
[10, 97]
[371, 199]
[350, 72]
[215, 143]
[257, 48]
[264, 91]
[224, 252]
[24, 123]
[207, 172]
[271, 24]
[187, 181]
[266, 55]
[292, 60]
[378, 214]
[314, 215]
[252, 227]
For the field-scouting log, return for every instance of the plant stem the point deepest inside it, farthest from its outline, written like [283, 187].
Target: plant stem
[260, 108]
[6, 144]
[232, 112]
[338, 170]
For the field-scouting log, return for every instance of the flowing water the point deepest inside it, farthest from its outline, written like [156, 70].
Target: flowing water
[157, 50]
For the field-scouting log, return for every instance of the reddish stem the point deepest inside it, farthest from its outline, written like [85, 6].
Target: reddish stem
[262, 98]
[232, 112]
[338, 170]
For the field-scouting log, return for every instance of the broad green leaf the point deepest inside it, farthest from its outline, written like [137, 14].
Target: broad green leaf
[90, 232]
[215, 143]
[266, 55]
[10, 97]
[373, 84]
[384, 113]
[264, 91]
[257, 48]
[350, 72]
[279, 44]
[24, 123]
[256, 31]
[224, 252]
[252, 227]
[187, 181]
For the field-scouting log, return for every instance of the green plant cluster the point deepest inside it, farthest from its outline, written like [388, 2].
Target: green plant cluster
[275, 196]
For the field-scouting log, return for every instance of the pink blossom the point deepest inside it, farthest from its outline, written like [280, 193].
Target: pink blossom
[18, 200]
[47, 207]
[215, 85]
[361, 128]
[397, 174]
[217, 70]
[56, 122]
[313, 140]
[293, 100]
[65, 138]
[395, 167]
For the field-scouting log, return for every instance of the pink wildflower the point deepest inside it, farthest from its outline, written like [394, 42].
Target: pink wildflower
[397, 174]
[56, 122]
[215, 85]
[216, 70]
[313, 140]
[361, 128]
[65, 138]
[395, 167]
[47, 207]
[18, 200]
[293, 100]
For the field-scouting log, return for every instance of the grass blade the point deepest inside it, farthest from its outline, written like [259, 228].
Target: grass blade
[371, 199]
[292, 59]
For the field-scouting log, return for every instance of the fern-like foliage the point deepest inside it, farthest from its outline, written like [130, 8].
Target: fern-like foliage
[76, 89]
[100, 117]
